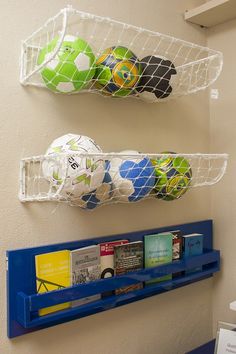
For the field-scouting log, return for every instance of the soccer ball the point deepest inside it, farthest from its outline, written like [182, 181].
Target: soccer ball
[69, 174]
[156, 77]
[173, 176]
[133, 177]
[72, 67]
[117, 71]
[99, 196]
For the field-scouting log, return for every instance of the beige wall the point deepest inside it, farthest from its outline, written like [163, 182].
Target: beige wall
[31, 118]
[223, 125]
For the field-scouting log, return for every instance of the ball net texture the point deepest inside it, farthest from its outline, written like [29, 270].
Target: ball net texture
[76, 52]
[91, 180]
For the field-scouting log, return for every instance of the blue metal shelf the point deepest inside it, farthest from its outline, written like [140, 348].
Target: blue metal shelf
[24, 303]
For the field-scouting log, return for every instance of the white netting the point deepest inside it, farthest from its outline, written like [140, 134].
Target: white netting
[90, 180]
[79, 52]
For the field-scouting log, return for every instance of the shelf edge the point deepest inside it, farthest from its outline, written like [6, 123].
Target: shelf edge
[212, 13]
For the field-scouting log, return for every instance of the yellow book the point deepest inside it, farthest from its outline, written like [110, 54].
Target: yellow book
[52, 273]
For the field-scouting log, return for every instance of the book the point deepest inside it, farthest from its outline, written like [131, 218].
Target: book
[127, 258]
[177, 247]
[85, 267]
[177, 244]
[52, 273]
[193, 246]
[158, 249]
[107, 260]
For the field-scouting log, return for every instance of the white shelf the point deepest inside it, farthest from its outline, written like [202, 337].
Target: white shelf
[212, 13]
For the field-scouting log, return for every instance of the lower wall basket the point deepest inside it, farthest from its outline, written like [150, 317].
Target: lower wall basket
[91, 180]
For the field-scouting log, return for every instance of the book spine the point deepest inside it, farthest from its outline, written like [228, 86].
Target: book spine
[177, 249]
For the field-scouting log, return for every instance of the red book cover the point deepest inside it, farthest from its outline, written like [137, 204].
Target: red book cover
[107, 259]
[177, 247]
[177, 244]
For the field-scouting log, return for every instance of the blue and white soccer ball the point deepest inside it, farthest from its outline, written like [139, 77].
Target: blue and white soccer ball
[99, 196]
[133, 177]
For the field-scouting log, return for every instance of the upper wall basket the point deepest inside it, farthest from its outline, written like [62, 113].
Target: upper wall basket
[77, 52]
[89, 180]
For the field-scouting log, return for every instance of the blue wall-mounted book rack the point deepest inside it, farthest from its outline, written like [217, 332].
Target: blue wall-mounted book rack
[24, 303]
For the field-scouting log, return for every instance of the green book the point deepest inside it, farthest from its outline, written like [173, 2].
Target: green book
[158, 250]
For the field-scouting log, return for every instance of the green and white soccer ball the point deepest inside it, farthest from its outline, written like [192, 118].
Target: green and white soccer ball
[71, 69]
[173, 176]
[69, 173]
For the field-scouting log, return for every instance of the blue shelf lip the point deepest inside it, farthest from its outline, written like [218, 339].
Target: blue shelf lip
[107, 303]
[23, 303]
[38, 301]
[30, 303]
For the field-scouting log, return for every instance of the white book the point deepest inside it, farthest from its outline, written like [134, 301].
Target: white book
[85, 267]
[226, 342]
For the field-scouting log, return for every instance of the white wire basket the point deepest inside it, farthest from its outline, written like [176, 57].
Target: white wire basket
[76, 52]
[91, 180]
